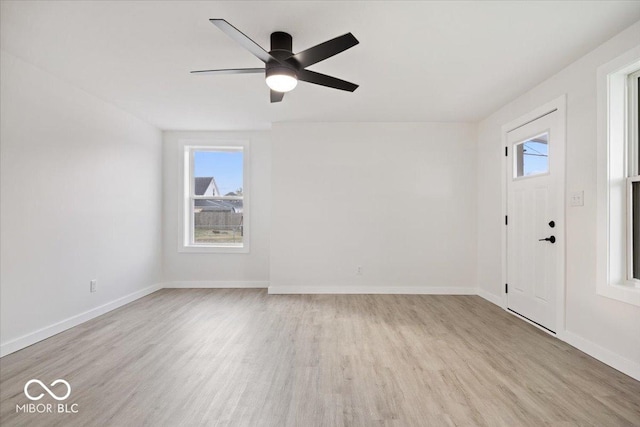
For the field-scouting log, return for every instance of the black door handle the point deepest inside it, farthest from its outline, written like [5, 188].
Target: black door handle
[551, 239]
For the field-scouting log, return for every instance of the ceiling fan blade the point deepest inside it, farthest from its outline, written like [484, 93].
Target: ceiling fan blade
[325, 50]
[230, 71]
[324, 80]
[244, 41]
[276, 96]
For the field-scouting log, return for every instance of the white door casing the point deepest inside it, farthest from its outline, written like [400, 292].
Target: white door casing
[535, 268]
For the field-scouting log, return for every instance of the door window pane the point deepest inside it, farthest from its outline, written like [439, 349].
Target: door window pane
[532, 156]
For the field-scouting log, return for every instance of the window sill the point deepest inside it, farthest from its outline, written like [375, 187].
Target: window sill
[625, 293]
[195, 249]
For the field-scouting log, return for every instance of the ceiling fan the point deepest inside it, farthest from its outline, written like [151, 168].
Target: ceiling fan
[283, 68]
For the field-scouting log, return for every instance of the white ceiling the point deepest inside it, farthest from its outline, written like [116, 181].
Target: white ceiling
[416, 61]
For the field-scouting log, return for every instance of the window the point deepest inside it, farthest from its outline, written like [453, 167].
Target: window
[532, 156]
[633, 178]
[215, 201]
[618, 245]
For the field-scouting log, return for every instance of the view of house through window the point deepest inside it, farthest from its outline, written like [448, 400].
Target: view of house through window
[217, 199]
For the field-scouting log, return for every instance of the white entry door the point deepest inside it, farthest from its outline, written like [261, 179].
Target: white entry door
[535, 216]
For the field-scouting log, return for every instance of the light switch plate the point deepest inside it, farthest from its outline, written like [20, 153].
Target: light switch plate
[576, 198]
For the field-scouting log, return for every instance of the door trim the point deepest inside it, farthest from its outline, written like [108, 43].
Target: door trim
[558, 105]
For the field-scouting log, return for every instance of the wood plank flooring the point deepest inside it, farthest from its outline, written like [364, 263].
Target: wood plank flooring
[201, 357]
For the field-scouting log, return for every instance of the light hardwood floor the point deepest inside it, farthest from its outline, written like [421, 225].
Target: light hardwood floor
[192, 357]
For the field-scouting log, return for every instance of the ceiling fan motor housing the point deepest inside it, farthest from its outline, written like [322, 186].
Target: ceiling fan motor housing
[282, 50]
[282, 41]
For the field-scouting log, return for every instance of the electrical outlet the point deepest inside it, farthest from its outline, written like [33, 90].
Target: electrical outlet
[93, 286]
[359, 270]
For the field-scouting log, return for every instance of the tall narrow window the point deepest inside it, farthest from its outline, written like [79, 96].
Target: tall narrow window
[215, 209]
[633, 179]
[618, 190]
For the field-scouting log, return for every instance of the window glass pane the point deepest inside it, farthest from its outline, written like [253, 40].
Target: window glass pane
[532, 156]
[635, 201]
[217, 173]
[218, 222]
[637, 102]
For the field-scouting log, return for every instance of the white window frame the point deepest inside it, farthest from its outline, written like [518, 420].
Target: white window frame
[187, 148]
[615, 149]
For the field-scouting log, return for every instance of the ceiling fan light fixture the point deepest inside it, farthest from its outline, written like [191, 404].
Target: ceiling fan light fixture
[281, 79]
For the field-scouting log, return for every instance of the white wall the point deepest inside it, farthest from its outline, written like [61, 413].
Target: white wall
[397, 199]
[81, 198]
[604, 325]
[212, 269]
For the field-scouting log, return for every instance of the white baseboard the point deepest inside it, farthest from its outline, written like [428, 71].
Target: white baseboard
[497, 300]
[216, 284]
[607, 357]
[406, 290]
[626, 366]
[49, 331]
